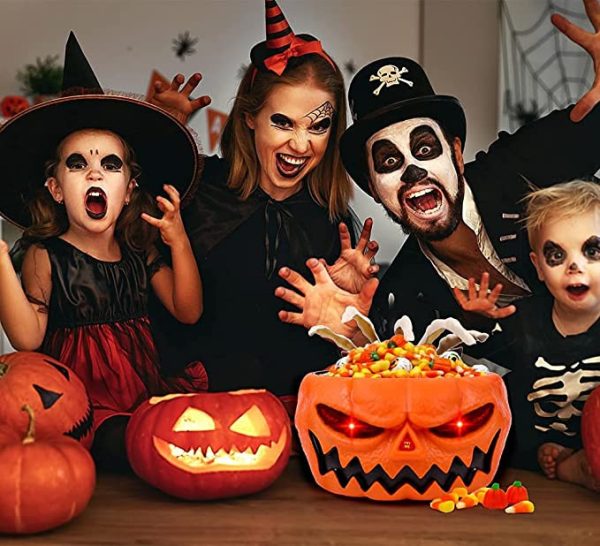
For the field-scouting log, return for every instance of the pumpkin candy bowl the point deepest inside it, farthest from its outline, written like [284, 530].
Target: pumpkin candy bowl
[397, 421]
[210, 445]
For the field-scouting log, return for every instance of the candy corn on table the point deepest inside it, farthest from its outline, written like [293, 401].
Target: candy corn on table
[294, 511]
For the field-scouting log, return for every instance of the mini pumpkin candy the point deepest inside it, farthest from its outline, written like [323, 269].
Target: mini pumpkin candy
[11, 105]
[210, 445]
[55, 393]
[402, 438]
[44, 482]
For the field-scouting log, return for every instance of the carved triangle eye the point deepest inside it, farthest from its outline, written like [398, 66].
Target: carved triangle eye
[48, 398]
[251, 423]
[194, 420]
[63, 370]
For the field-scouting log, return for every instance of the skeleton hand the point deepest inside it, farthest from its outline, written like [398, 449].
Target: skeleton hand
[354, 268]
[177, 101]
[590, 41]
[483, 302]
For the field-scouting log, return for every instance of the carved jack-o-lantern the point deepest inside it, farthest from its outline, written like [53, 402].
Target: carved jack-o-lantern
[210, 445]
[405, 438]
[53, 391]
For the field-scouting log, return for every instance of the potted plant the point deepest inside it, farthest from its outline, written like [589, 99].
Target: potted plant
[42, 80]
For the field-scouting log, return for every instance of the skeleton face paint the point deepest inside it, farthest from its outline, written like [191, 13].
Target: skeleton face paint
[91, 179]
[413, 173]
[567, 258]
[291, 133]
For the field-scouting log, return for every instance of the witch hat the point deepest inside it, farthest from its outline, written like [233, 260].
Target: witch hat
[165, 150]
[282, 44]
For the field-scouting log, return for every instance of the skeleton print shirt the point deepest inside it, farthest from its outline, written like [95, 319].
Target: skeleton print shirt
[551, 378]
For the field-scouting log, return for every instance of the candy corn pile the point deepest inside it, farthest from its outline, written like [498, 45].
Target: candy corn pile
[515, 500]
[400, 358]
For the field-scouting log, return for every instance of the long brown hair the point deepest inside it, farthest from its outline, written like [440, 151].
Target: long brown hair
[328, 183]
[49, 219]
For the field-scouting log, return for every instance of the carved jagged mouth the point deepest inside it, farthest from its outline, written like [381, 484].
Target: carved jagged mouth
[330, 462]
[83, 426]
[198, 461]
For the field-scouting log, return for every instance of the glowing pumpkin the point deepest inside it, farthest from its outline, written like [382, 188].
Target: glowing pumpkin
[590, 431]
[210, 445]
[45, 482]
[56, 394]
[404, 438]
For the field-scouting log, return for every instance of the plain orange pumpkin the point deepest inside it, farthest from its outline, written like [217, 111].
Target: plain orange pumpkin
[402, 438]
[44, 482]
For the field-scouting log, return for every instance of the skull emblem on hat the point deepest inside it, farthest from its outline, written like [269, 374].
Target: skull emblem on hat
[389, 75]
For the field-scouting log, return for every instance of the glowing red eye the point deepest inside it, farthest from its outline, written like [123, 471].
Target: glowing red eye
[346, 424]
[463, 424]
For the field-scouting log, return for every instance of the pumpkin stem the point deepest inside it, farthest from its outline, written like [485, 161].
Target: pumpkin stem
[3, 368]
[30, 434]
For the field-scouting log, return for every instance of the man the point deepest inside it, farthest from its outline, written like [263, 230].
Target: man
[405, 150]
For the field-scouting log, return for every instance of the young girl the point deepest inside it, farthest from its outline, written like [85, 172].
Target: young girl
[91, 261]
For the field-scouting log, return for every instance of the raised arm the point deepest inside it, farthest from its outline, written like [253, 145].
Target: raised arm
[25, 319]
[180, 288]
[176, 99]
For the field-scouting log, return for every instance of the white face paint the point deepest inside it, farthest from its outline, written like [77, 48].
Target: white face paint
[412, 173]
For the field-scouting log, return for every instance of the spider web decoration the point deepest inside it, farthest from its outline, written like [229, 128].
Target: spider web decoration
[541, 69]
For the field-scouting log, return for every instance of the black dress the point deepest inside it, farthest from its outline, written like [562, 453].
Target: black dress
[98, 325]
[240, 246]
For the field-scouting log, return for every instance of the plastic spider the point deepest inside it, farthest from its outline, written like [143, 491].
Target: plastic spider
[184, 45]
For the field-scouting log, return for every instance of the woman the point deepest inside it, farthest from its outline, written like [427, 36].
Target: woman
[276, 198]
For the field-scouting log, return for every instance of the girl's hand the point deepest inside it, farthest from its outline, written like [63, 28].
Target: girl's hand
[170, 225]
[354, 266]
[177, 101]
[483, 302]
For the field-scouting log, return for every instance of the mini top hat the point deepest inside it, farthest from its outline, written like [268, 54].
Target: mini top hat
[164, 148]
[387, 91]
[282, 44]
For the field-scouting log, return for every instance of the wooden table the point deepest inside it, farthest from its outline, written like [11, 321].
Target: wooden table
[294, 511]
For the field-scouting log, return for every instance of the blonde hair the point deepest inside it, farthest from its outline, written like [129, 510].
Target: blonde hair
[558, 202]
[328, 182]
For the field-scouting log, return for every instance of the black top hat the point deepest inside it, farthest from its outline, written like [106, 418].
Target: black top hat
[282, 44]
[164, 148]
[387, 91]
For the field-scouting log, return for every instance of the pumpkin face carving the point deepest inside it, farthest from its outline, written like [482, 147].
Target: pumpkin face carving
[396, 439]
[209, 445]
[53, 391]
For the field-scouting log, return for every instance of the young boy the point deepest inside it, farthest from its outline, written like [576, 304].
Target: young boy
[552, 342]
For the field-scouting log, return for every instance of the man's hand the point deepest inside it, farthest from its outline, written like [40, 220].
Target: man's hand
[323, 302]
[484, 301]
[354, 267]
[177, 101]
[590, 41]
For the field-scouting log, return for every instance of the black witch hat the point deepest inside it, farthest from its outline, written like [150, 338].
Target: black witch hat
[165, 149]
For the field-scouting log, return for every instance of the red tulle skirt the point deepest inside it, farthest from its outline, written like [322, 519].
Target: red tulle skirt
[118, 363]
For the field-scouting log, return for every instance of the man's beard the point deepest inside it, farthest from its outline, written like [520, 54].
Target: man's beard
[439, 230]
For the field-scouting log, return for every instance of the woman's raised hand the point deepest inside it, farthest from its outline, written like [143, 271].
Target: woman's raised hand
[322, 303]
[176, 99]
[355, 266]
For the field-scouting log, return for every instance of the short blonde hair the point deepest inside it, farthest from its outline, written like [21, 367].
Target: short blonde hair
[559, 201]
